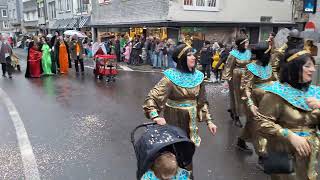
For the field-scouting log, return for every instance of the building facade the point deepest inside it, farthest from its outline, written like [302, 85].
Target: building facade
[15, 16]
[30, 17]
[213, 20]
[68, 14]
[315, 18]
[42, 16]
[4, 17]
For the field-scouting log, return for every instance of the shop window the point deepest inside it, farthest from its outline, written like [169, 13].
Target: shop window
[201, 5]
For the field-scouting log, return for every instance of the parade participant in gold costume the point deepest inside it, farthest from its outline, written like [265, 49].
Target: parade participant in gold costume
[294, 41]
[258, 73]
[233, 71]
[181, 95]
[288, 117]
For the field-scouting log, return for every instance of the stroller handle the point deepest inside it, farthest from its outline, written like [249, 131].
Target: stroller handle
[138, 127]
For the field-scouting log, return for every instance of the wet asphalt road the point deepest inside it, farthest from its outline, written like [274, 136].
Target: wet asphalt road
[79, 128]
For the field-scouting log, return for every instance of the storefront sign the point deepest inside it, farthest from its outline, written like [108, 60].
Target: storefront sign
[192, 29]
[309, 6]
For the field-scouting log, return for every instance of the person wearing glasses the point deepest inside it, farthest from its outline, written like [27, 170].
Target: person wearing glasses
[288, 117]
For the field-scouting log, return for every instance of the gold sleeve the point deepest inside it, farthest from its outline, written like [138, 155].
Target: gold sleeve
[247, 82]
[228, 69]
[154, 102]
[275, 60]
[270, 109]
[203, 105]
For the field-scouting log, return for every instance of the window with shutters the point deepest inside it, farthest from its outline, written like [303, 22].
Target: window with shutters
[201, 5]
[68, 5]
[4, 13]
[52, 10]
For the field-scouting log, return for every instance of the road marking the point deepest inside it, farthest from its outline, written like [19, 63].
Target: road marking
[30, 166]
[89, 67]
[126, 68]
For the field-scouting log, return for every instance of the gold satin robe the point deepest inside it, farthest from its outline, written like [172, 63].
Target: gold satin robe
[277, 114]
[251, 91]
[233, 72]
[275, 60]
[169, 97]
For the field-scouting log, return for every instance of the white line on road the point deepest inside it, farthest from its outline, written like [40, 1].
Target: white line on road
[126, 68]
[89, 67]
[30, 167]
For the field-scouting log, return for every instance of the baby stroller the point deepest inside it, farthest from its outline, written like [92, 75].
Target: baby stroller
[157, 139]
[105, 65]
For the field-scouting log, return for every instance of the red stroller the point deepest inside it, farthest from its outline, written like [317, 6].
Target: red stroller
[106, 65]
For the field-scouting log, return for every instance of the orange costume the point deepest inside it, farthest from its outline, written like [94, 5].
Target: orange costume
[63, 58]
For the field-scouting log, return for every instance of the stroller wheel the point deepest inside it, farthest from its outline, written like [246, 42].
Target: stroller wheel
[100, 77]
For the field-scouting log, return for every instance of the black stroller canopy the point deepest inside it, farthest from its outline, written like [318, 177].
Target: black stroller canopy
[158, 139]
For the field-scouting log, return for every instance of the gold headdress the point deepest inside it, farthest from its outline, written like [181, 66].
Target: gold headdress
[183, 51]
[244, 41]
[298, 54]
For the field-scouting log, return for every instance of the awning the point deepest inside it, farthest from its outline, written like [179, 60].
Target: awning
[57, 24]
[65, 23]
[73, 23]
[84, 21]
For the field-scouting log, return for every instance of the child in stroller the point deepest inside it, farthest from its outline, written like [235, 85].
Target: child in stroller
[162, 153]
[165, 167]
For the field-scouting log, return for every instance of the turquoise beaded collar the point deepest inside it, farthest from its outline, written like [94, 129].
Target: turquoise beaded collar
[263, 72]
[185, 80]
[182, 174]
[241, 56]
[295, 97]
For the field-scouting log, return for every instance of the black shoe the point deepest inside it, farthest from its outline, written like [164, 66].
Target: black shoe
[237, 122]
[10, 76]
[241, 145]
[231, 114]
